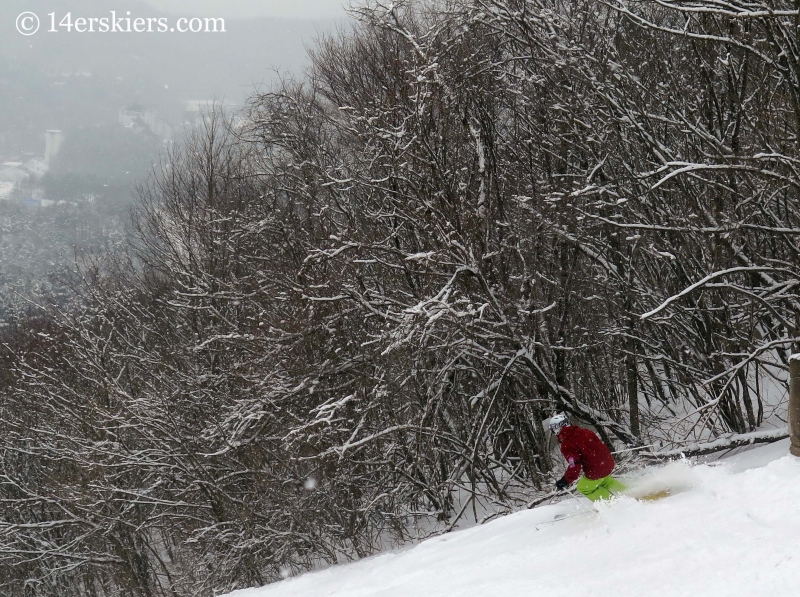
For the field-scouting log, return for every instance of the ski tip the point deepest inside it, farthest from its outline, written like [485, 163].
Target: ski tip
[652, 497]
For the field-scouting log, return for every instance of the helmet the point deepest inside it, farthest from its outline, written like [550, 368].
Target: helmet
[557, 422]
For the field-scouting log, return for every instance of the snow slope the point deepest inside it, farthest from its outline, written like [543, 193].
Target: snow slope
[733, 530]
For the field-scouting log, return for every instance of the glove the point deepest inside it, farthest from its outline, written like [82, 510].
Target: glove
[561, 484]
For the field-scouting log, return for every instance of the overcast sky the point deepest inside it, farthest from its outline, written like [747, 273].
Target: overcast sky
[303, 9]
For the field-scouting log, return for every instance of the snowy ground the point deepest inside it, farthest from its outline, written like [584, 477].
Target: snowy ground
[732, 530]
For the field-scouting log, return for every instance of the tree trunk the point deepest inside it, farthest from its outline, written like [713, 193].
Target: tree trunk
[633, 392]
[794, 404]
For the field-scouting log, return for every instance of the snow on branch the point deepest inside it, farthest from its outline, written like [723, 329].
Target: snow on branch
[724, 443]
[700, 284]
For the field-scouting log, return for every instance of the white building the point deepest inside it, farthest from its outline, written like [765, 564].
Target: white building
[131, 116]
[53, 141]
[12, 172]
[37, 167]
[6, 188]
[137, 117]
[195, 109]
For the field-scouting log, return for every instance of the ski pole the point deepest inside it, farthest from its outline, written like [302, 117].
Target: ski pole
[634, 449]
[549, 496]
[575, 497]
[543, 499]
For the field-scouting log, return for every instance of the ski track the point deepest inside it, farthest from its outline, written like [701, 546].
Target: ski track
[732, 530]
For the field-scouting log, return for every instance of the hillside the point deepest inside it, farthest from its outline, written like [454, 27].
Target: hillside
[733, 529]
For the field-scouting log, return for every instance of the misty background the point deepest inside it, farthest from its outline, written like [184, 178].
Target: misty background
[112, 103]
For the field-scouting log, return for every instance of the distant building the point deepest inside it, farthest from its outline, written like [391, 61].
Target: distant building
[66, 75]
[37, 167]
[194, 111]
[53, 141]
[6, 188]
[139, 118]
[135, 115]
[13, 174]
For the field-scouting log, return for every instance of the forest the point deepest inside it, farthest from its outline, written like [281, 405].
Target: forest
[343, 316]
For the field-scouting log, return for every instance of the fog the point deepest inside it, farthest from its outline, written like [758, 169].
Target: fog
[254, 8]
[114, 102]
[68, 80]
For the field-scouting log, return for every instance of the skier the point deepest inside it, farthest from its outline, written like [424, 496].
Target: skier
[582, 448]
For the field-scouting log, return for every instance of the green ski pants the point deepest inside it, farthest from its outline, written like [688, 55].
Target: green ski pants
[600, 489]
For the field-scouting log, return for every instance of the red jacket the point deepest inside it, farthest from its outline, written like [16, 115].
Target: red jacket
[582, 448]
